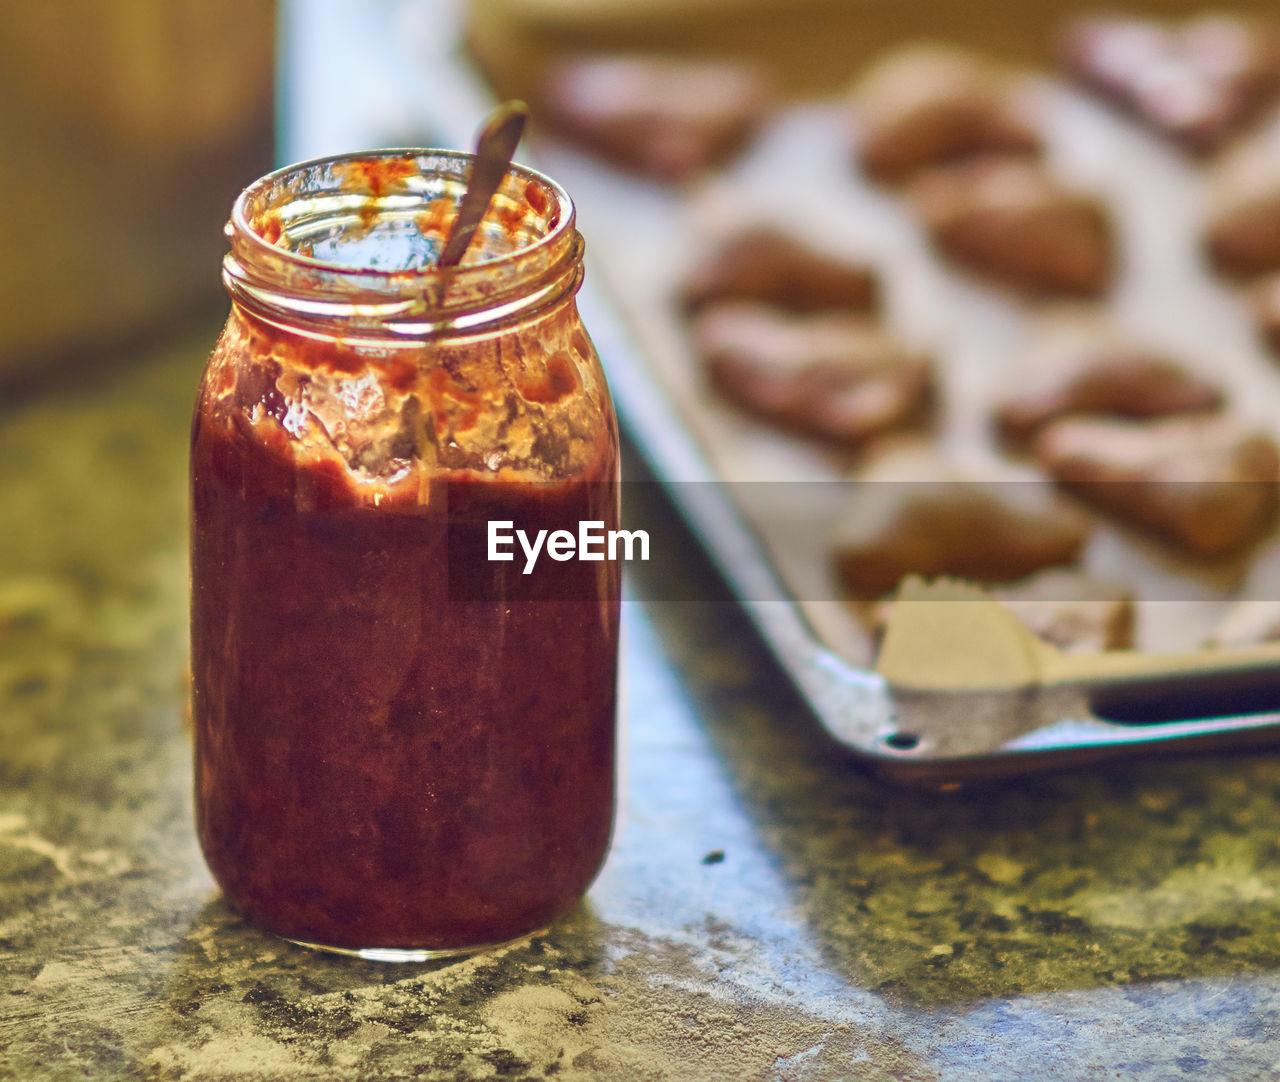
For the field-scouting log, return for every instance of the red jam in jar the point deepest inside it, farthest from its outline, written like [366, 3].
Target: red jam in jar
[403, 747]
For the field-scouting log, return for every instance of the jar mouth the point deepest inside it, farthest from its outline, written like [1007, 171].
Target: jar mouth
[345, 200]
[346, 245]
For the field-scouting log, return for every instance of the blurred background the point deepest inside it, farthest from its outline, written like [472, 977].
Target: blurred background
[128, 127]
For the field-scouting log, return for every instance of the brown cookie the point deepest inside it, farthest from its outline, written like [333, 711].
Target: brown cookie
[770, 267]
[1243, 235]
[1010, 220]
[1097, 373]
[1265, 300]
[1206, 484]
[833, 376]
[1197, 82]
[1075, 612]
[925, 105]
[913, 512]
[660, 115]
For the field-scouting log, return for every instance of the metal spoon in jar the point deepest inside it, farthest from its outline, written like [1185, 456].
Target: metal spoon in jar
[495, 145]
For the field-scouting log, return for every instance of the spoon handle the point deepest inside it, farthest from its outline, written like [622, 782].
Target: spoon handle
[494, 147]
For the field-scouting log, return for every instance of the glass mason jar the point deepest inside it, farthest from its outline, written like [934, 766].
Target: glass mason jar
[404, 747]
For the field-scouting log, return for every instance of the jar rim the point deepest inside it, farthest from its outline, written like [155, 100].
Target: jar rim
[241, 221]
[409, 301]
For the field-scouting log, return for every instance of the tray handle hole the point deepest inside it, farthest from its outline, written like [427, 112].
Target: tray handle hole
[902, 741]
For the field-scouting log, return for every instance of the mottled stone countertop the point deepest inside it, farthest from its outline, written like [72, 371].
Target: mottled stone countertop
[769, 911]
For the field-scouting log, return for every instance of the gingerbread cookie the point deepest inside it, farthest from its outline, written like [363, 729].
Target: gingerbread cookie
[1010, 220]
[1208, 485]
[1096, 372]
[1265, 301]
[912, 511]
[929, 104]
[1197, 82]
[666, 117]
[831, 376]
[771, 267]
[1243, 235]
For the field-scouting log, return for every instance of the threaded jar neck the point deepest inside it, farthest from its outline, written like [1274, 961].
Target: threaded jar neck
[345, 247]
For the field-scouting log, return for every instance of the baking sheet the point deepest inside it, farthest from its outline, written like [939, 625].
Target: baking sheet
[644, 238]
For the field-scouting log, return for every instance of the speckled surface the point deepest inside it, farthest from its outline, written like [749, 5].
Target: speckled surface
[1115, 923]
